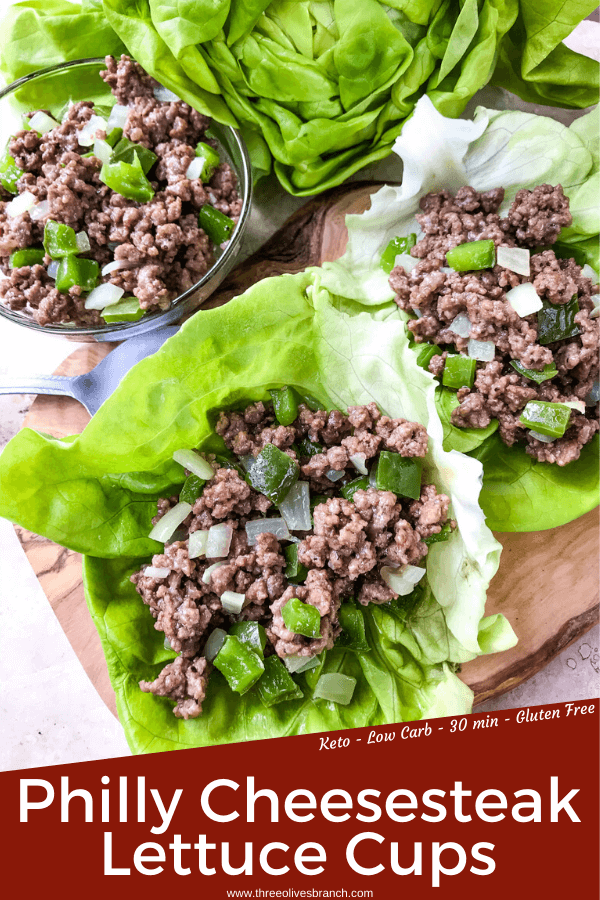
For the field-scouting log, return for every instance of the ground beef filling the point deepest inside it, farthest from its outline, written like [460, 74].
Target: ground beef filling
[434, 295]
[344, 552]
[161, 242]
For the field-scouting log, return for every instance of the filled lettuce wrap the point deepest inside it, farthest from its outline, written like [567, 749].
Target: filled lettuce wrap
[97, 493]
[528, 156]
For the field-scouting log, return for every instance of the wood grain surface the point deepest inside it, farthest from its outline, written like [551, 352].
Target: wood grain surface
[547, 583]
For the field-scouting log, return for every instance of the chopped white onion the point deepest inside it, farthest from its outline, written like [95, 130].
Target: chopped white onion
[212, 198]
[170, 522]
[117, 118]
[21, 204]
[112, 245]
[195, 168]
[214, 643]
[595, 298]
[446, 270]
[42, 122]
[407, 261]
[295, 508]
[39, 211]
[83, 242]
[461, 325]
[218, 541]
[577, 405]
[335, 687]
[524, 299]
[87, 134]
[210, 570]
[402, 581]
[53, 269]
[194, 463]
[481, 350]
[167, 644]
[594, 395]
[334, 474]
[156, 572]
[104, 295]
[358, 461]
[588, 272]
[277, 527]
[102, 150]
[232, 603]
[118, 264]
[298, 664]
[197, 544]
[544, 438]
[164, 95]
[515, 259]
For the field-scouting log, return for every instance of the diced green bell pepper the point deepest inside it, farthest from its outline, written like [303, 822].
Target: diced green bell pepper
[294, 571]
[252, 634]
[308, 448]
[302, 618]
[396, 246]
[426, 353]
[240, 665]
[353, 636]
[114, 136]
[60, 240]
[273, 473]
[359, 484]
[127, 179]
[31, 256]
[9, 171]
[128, 309]
[126, 151]
[311, 402]
[277, 685]
[211, 160]
[438, 538]
[74, 271]
[285, 404]
[191, 490]
[472, 256]
[551, 419]
[399, 474]
[555, 323]
[459, 371]
[216, 224]
[549, 371]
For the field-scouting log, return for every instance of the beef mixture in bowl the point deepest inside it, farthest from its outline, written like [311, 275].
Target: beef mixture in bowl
[113, 211]
[271, 552]
[509, 315]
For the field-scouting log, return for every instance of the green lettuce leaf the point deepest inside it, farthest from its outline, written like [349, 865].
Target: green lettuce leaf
[96, 494]
[514, 150]
[325, 84]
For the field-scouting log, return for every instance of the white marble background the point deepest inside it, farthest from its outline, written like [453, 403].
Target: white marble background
[50, 713]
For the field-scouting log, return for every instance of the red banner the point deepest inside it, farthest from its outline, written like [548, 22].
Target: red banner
[503, 803]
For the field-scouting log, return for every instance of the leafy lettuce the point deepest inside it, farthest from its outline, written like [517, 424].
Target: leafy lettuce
[320, 88]
[97, 492]
[515, 150]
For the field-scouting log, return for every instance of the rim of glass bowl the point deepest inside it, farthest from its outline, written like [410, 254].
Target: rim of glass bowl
[117, 329]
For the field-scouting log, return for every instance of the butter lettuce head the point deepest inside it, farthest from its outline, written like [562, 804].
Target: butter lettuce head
[97, 494]
[320, 88]
[514, 150]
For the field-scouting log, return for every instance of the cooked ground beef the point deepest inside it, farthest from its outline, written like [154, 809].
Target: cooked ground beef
[161, 241]
[344, 552]
[435, 295]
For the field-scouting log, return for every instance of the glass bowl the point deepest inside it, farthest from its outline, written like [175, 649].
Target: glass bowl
[52, 89]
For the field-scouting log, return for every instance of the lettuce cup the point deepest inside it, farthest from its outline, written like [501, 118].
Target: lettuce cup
[209, 407]
[489, 251]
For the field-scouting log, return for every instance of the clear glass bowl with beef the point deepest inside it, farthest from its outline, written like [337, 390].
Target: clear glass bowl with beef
[122, 208]
[272, 549]
[507, 315]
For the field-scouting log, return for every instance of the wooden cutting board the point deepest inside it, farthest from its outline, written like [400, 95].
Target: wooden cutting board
[547, 584]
